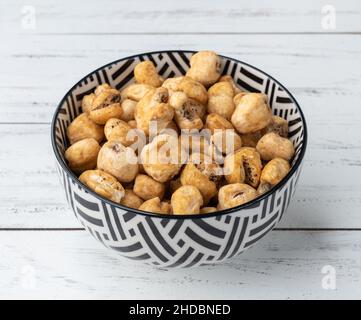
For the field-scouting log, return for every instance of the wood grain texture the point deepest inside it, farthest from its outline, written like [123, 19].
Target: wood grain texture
[185, 16]
[319, 70]
[320, 67]
[285, 265]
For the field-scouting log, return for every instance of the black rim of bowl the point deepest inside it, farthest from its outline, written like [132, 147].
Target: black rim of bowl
[250, 204]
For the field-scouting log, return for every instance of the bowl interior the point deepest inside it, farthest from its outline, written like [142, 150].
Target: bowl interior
[175, 63]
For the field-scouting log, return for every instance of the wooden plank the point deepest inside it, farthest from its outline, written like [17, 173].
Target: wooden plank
[328, 195]
[73, 38]
[284, 265]
[30, 189]
[185, 16]
[321, 70]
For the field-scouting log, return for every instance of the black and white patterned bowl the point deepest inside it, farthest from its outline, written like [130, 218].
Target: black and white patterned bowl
[178, 241]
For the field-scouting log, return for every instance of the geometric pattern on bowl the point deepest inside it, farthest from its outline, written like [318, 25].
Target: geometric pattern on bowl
[178, 241]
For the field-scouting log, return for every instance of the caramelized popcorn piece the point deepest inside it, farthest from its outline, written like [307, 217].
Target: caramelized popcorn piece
[146, 73]
[82, 155]
[205, 67]
[225, 142]
[271, 146]
[237, 98]
[273, 172]
[186, 200]
[154, 107]
[82, 127]
[278, 125]
[229, 79]
[131, 200]
[135, 91]
[106, 105]
[103, 184]
[215, 121]
[99, 89]
[147, 188]
[252, 113]
[156, 206]
[243, 166]
[235, 194]
[116, 129]
[206, 165]
[186, 111]
[208, 210]
[118, 160]
[132, 124]
[128, 107]
[220, 99]
[87, 102]
[201, 179]
[193, 89]
[163, 157]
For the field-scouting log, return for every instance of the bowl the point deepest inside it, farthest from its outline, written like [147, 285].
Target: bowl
[184, 240]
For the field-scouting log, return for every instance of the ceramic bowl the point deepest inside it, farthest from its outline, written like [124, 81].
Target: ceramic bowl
[178, 241]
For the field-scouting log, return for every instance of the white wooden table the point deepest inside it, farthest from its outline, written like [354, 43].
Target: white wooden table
[43, 251]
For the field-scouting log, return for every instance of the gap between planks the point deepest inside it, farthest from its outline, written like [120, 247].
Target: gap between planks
[191, 33]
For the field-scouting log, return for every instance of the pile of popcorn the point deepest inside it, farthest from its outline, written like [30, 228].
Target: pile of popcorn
[184, 145]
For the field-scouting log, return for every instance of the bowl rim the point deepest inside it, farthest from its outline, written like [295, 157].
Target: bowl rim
[247, 205]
